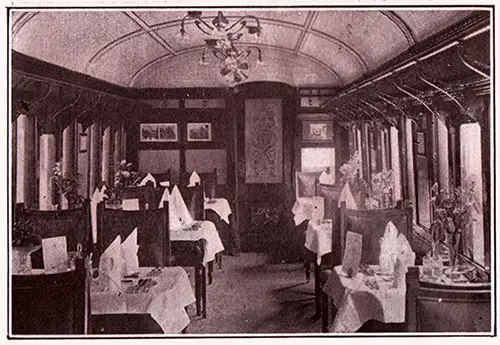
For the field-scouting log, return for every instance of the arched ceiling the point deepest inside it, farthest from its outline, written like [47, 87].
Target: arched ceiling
[142, 48]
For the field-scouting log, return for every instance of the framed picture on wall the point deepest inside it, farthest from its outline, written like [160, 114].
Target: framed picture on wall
[317, 130]
[199, 131]
[159, 132]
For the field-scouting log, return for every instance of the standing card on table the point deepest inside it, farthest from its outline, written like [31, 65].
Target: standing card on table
[352, 253]
[55, 254]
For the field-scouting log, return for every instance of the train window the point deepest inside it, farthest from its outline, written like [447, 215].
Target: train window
[316, 159]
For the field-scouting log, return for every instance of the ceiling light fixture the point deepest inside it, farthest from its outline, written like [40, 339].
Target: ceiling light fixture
[234, 63]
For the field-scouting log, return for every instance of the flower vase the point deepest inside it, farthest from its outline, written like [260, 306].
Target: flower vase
[453, 242]
[21, 259]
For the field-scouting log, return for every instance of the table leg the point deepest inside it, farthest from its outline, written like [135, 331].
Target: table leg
[317, 290]
[204, 292]
[210, 272]
[324, 312]
[197, 289]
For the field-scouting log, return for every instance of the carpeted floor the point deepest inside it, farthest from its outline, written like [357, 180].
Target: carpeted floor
[251, 296]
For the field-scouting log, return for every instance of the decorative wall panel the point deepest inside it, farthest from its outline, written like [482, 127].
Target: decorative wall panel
[263, 141]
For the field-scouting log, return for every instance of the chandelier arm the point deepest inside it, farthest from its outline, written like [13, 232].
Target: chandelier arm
[243, 25]
[216, 54]
[197, 23]
[201, 20]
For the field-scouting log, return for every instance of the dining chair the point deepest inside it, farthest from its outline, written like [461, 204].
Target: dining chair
[148, 195]
[441, 309]
[195, 203]
[74, 224]
[208, 181]
[371, 224]
[162, 177]
[153, 235]
[56, 304]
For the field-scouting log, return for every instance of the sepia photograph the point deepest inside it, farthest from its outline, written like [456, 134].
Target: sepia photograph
[199, 132]
[155, 132]
[348, 189]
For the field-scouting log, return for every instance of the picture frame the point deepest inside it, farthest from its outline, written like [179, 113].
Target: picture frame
[317, 131]
[159, 132]
[199, 132]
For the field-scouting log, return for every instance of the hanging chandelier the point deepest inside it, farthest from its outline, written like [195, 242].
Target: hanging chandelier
[234, 63]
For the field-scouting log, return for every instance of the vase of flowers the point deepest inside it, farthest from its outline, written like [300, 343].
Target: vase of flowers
[452, 212]
[24, 242]
[382, 185]
[67, 187]
[350, 174]
[125, 177]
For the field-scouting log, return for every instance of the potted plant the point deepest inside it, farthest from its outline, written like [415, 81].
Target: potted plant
[24, 242]
[452, 219]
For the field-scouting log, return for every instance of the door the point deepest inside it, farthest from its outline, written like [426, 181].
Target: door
[265, 114]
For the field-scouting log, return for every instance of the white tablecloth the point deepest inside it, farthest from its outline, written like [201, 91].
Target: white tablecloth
[165, 301]
[206, 231]
[220, 206]
[304, 208]
[357, 303]
[319, 238]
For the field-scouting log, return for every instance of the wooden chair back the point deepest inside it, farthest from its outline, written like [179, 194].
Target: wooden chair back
[208, 181]
[161, 177]
[56, 304]
[148, 196]
[306, 184]
[153, 235]
[371, 224]
[435, 308]
[75, 224]
[195, 203]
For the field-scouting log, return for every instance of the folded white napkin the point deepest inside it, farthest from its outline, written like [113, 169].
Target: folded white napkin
[179, 216]
[130, 204]
[148, 178]
[326, 179]
[110, 266]
[346, 195]
[165, 197]
[129, 249]
[388, 249]
[194, 179]
[97, 197]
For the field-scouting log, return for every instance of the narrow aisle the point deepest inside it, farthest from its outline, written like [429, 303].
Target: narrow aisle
[250, 296]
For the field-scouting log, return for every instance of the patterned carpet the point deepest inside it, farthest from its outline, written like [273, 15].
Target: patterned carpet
[251, 296]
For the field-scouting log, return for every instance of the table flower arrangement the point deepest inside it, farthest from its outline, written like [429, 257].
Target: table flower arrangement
[452, 218]
[350, 174]
[24, 242]
[66, 186]
[382, 185]
[125, 177]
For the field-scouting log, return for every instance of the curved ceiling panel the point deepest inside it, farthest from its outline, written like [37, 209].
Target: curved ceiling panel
[369, 33]
[69, 39]
[425, 23]
[120, 63]
[334, 55]
[158, 17]
[184, 71]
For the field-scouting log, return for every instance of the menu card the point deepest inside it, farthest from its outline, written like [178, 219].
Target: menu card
[352, 253]
[55, 254]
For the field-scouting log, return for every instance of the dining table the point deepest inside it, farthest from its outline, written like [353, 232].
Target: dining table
[161, 292]
[369, 295]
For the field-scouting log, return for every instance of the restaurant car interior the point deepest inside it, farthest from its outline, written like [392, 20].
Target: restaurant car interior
[243, 171]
